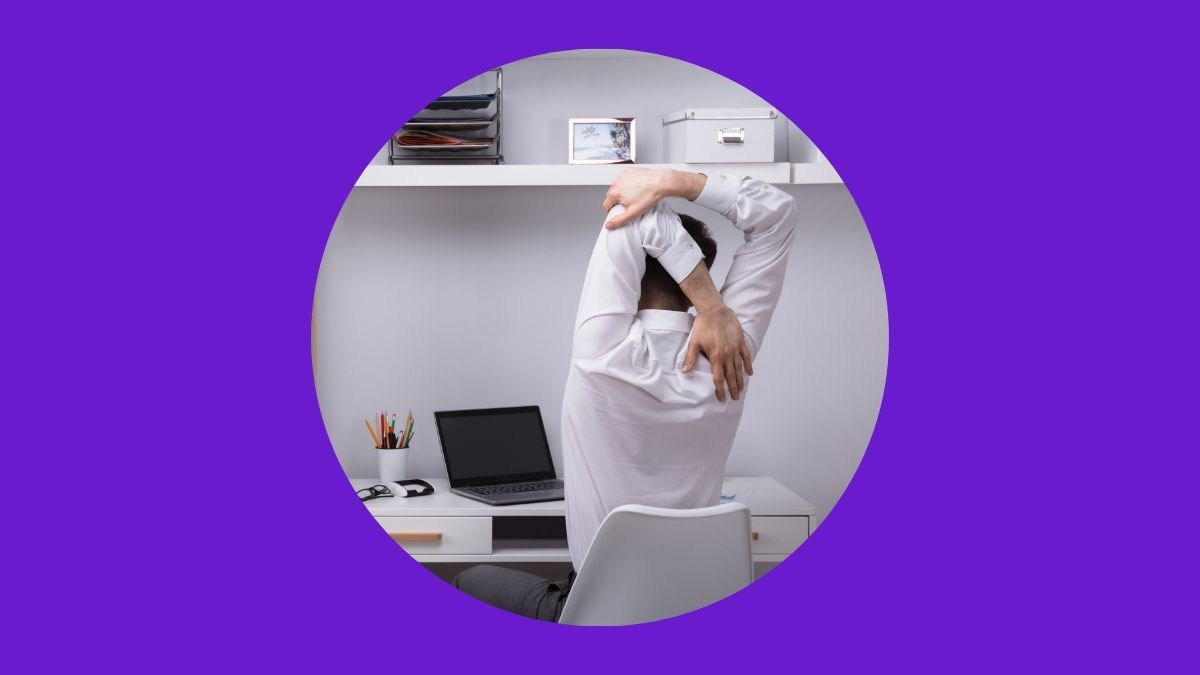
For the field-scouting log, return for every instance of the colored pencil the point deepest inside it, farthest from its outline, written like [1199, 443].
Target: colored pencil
[371, 431]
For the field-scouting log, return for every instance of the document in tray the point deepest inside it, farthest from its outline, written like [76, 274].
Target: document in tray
[420, 138]
[452, 123]
[472, 102]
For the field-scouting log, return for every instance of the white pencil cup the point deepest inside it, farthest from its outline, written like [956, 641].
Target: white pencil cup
[392, 464]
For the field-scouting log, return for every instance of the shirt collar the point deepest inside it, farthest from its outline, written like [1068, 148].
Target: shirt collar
[664, 319]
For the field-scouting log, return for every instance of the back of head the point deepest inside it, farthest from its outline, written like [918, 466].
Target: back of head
[659, 290]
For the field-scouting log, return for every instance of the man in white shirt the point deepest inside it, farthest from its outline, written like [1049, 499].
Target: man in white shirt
[646, 419]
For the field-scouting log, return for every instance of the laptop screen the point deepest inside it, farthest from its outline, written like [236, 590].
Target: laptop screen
[496, 445]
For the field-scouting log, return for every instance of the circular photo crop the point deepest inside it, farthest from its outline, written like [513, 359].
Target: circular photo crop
[599, 337]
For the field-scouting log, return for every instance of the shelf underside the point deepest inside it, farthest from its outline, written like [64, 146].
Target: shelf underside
[441, 175]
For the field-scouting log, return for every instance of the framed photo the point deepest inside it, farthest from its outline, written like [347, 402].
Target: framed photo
[601, 140]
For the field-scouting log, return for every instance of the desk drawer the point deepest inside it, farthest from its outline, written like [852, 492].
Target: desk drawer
[777, 535]
[445, 535]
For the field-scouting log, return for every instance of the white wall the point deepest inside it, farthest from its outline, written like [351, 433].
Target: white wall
[449, 298]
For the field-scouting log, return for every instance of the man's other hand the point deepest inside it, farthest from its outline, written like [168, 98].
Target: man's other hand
[718, 334]
[638, 190]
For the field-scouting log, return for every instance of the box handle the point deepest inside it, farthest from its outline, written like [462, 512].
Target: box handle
[731, 135]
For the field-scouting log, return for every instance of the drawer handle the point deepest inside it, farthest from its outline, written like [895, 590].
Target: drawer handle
[415, 536]
[753, 536]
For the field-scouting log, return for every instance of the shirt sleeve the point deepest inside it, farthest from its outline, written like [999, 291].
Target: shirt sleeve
[767, 218]
[613, 284]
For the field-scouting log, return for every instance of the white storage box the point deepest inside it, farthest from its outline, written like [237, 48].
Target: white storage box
[719, 135]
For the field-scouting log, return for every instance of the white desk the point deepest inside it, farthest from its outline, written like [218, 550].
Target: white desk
[447, 528]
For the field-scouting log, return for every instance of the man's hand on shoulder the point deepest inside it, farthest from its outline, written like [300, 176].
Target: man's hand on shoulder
[718, 333]
[639, 189]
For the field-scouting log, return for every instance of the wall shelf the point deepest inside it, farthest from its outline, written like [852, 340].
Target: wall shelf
[441, 175]
[814, 174]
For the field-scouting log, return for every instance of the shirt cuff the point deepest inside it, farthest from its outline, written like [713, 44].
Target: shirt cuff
[719, 193]
[681, 258]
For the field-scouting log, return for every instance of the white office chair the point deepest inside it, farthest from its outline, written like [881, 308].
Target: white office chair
[648, 563]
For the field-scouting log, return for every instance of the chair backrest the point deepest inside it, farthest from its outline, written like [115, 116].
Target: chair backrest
[648, 563]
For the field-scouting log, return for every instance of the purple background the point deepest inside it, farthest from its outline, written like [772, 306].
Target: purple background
[1028, 499]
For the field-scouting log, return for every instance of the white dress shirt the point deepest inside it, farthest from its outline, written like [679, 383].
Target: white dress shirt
[636, 430]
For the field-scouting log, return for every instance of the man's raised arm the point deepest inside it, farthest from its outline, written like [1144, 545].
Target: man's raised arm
[612, 287]
[767, 217]
[765, 214]
[717, 331]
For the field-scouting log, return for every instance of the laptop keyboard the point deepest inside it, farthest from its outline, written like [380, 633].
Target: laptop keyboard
[508, 488]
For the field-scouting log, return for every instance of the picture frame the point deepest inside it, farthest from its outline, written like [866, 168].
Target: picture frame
[601, 140]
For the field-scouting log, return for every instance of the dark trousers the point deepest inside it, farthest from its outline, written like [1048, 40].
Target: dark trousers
[517, 592]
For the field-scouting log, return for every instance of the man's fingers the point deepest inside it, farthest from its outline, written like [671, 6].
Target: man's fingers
[733, 377]
[746, 361]
[693, 352]
[719, 380]
[631, 212]
[736, 381]
[618, 221]
[609, 201]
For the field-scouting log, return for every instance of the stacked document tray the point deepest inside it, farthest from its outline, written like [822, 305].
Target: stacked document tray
[453, 128]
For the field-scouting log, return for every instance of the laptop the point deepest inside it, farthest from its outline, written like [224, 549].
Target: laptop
[498, 455]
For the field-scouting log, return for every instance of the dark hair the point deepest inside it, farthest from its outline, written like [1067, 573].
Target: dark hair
[658, 286]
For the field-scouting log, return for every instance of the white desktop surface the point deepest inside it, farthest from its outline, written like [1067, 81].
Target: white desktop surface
[767, 497]
[464, 530]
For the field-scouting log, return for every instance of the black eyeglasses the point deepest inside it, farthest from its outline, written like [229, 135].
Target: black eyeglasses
[374, 492]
